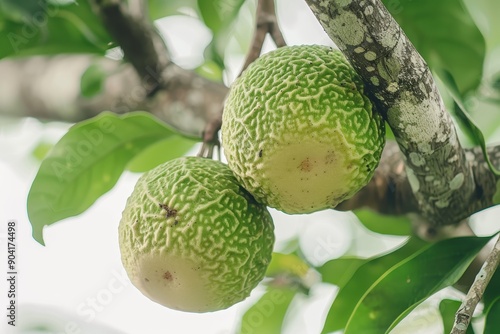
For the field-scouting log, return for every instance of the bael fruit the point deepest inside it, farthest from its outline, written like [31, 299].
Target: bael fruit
[192, 239]
[299, 132]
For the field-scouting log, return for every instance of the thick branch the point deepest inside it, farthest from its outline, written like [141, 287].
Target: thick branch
[402, 88]
[389, 191]
[48, 88]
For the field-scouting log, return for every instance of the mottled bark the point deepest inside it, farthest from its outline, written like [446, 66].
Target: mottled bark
[403, 90]
[389, 191]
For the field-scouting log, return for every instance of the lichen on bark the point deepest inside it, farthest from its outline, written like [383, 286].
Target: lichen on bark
[400, 84]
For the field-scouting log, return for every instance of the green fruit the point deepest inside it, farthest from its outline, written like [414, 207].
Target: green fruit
[192, 239]
[299, 132]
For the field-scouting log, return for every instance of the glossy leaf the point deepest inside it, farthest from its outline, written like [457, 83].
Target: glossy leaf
[448, 308]
[160, 152]
[92, 80]
[86, 163]
[384, 224]
[53, 29]
[267, 314]
[492, 323]
[363, 278]
[404, 286]
[445, 35]
[340, 271]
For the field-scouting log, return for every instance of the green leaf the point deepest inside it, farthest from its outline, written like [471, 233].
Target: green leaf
[445, 35]
[287, 263]
[86, 163]
[400, 289]
[53, 29]
[362, 280]
[160, 152]
[492, 323]
[384, 224]
[448, 308]
[267, 314]
[92, 80]
[218, 14]
[340, 271]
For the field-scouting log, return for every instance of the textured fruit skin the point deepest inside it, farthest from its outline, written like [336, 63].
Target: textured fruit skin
[192, 239]
[299, 132]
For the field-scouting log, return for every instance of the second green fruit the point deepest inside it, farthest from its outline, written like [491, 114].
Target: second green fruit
[298, 130]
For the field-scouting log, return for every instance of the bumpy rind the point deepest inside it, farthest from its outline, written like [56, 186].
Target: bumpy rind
[299, 132]
[192, 238]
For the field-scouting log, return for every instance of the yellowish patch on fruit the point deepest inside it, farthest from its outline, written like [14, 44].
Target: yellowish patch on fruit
[192, 239]
[303, 168]
[299, 132]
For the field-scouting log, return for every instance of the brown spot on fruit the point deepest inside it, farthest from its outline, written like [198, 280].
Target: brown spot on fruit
[168, 276]
[306, 165]
[169, 212]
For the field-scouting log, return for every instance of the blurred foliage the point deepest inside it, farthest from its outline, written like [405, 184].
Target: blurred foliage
[33, 27]
[92, 81]
[41, 150]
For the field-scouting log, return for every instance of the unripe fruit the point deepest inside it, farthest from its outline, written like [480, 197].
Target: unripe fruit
[192, 239]
[299, 132]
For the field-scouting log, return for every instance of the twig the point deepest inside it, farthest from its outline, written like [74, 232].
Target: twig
[266, 23]
[466, 310]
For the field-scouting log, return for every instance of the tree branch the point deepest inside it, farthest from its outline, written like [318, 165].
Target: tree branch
[180, 95]
[475, 294]
[403, 90]
[266, 23]
[190, 102]
[141, 43]
[389, 191]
